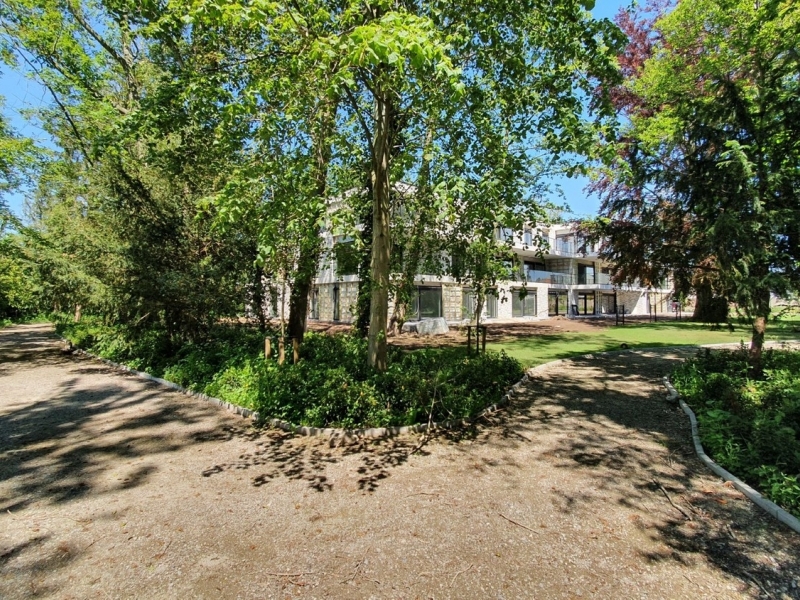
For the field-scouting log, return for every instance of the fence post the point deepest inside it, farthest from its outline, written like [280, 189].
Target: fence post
[267, 347]
[484, 339]
[295, 350]
[281, 354]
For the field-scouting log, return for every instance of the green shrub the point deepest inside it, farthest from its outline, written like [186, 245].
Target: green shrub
[751, 427]
[330, 386]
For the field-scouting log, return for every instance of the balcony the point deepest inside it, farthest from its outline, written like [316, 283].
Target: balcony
[570, 247]
[548, 277]
[563, 248]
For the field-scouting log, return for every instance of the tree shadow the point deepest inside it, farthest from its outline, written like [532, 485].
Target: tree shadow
[58, 448]
[278, 454]
[613, 427]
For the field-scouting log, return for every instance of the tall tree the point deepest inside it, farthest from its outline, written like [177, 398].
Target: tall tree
[707, 176]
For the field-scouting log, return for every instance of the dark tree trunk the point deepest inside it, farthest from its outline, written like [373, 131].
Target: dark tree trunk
[258, 298]
[381, 230]
[760, 316]
[311, 248]
[364, 279]
[301, 288]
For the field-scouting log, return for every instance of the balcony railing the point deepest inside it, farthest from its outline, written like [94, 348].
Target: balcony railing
[534, 276]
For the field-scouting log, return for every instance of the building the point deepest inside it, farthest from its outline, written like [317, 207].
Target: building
[562, 282]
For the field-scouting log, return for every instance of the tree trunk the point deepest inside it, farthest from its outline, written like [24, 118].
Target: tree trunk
[761, 314]
[258, 298]
[381, 231]
[415, 244]
[703, 295]
[365, 216]
[312, 247]
[301, 288]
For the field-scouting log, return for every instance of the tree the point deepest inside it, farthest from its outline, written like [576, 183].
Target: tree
[505, 70]
[707, 173]
[139, 149]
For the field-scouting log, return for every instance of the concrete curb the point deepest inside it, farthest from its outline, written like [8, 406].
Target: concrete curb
[374, 432]
[756, 498]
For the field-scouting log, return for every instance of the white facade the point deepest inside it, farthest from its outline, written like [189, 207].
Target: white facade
[560, 281]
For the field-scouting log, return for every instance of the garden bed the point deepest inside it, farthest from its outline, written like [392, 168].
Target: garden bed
[749, 426]
[330, 386]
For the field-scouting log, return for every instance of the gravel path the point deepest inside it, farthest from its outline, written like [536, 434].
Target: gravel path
[111, 486]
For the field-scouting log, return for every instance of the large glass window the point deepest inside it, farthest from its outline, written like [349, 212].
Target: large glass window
[585, 304]
[556, 303]
[469, 302]
[429, 302]
[347, 258]
[491, 305]
[336, 307]
[608, 304]
[522, 304]
[585, 274]
[531, 268]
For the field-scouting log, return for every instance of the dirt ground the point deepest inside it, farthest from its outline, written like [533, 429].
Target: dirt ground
[495, 332]
[113, 487]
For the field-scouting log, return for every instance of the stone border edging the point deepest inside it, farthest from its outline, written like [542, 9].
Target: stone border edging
[373, 432]
[752, 495]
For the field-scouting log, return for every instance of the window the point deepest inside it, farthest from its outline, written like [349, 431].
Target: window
[491, 305]
[527, 237]
[336, 308]
[512, 270]
[530, 269]
[585, 305]
[429, 302]
[565, 244]
[469, 302]
[585, 274]
[505, 234]
[347, 258]
[608, 304]
[523, 303]
[457, 265]
[556, 303]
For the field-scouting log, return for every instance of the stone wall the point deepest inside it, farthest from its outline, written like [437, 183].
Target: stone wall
[348, 296]
[451, 302]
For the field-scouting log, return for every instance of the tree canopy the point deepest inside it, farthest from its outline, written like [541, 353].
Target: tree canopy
[706, 175]
[202, 143]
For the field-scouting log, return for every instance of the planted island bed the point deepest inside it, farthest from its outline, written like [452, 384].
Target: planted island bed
[750, 426]
[330, 386]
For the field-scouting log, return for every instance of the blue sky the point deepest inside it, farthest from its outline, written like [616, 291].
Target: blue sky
[21, 93]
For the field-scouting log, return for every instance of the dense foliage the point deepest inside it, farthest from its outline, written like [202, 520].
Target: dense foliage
[750, 427]
[705, 182]
[331, 385]
[199, 147]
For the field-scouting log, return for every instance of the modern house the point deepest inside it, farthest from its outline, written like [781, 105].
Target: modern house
[562, 281]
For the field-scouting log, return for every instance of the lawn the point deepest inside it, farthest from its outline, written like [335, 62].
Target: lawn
[535, 350]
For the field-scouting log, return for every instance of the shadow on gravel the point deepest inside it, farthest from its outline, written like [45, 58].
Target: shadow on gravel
[62, 447]
[284, 455]
[614, 425]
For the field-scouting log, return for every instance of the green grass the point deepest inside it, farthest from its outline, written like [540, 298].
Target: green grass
[535, 350]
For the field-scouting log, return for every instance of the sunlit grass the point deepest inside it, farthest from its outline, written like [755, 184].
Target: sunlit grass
[535, 350]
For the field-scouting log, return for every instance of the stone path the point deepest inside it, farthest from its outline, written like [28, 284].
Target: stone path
[113, 487]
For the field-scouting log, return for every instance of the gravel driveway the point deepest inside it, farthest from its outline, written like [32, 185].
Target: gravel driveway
[111, 486]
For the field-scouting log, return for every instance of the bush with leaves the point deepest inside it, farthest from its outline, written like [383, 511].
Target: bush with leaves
[750, 426]
[330, 386]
